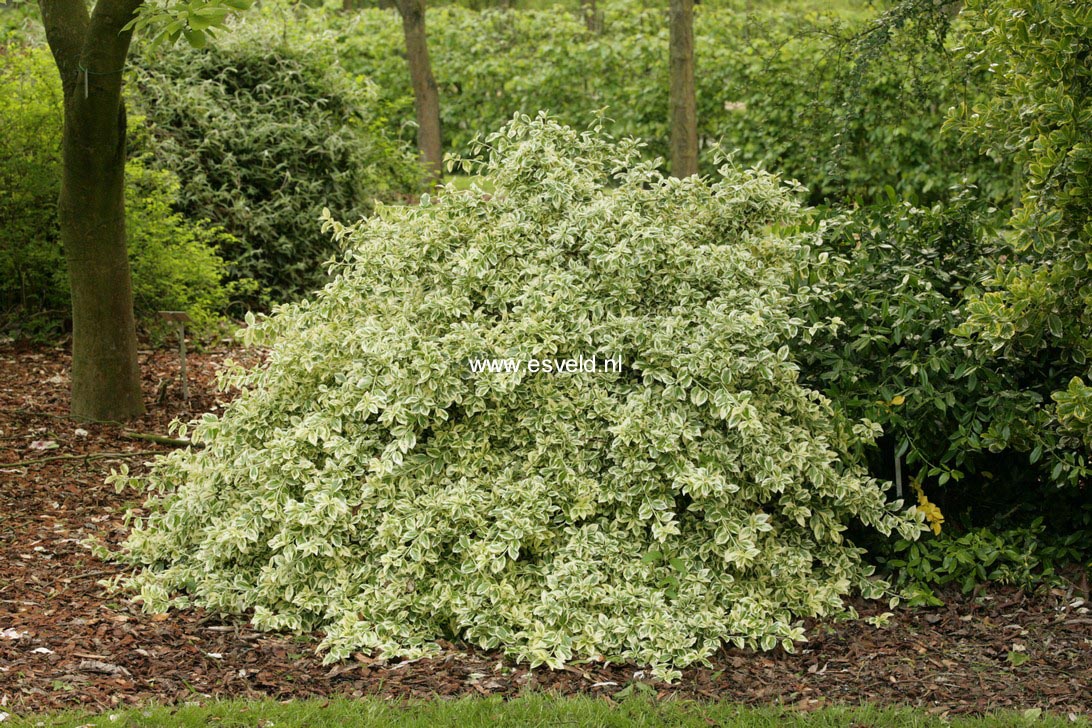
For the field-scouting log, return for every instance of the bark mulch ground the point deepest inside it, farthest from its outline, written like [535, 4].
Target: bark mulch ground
[66, 641]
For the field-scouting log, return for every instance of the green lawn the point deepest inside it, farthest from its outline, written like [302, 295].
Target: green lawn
[535, 710]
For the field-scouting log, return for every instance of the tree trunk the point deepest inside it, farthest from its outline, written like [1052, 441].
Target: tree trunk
[426, 97]
[684, 115]
[590, 12]
[90, 52]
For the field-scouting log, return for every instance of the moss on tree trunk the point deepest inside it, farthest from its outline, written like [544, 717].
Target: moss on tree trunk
[90, 51]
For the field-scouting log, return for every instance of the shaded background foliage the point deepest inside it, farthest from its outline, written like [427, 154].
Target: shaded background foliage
[176, 262]
[781, 87]
[265, 129]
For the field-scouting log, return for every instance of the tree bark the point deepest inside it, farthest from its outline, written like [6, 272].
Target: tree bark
[425, 94]
[684, 115]
[590, 13]
[90, 52]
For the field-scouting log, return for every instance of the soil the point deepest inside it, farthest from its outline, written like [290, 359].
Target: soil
[67, 641]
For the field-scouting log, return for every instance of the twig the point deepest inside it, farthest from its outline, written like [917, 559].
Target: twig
[158, 439]
[87, 456]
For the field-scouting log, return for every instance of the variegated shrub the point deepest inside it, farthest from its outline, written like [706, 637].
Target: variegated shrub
[369, 484]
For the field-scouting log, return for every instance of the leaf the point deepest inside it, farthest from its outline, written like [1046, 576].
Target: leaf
[196, 38]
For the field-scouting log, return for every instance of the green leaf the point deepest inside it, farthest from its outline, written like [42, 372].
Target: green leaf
[196, 38]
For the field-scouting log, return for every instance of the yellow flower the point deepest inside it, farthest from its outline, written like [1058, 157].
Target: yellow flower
[932, 513]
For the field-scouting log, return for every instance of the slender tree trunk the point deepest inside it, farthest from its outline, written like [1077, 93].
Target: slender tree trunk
[684, 115]
[591, 15]
[425, 94]
[90, 52]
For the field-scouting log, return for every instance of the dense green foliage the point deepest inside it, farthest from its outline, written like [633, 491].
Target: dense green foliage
[1038, 305]
[176, 265]
[264, 130]
[949, 417]
[905, 274]
[370, 482]
[891, 357]
[29, 151]
[966, 335]
[1023, 557]
[778, 86]
[175, 261]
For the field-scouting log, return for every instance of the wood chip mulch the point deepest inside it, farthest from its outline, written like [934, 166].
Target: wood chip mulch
[66, 642]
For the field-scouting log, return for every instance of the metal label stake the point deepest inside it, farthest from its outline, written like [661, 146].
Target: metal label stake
[181, 318]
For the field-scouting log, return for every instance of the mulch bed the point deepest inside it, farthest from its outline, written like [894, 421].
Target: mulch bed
[66, 641]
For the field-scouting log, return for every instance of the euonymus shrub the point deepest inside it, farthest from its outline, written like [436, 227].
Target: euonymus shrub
[368, 484]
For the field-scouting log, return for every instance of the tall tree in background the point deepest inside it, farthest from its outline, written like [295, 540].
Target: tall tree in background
[426, 97]
[590, 13]
[90, 48]
[684, 115]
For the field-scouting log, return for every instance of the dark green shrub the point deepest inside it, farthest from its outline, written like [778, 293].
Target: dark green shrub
[891, 357]
[949, 414]
[175, 264]
[265, 130]
[1024, 557]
